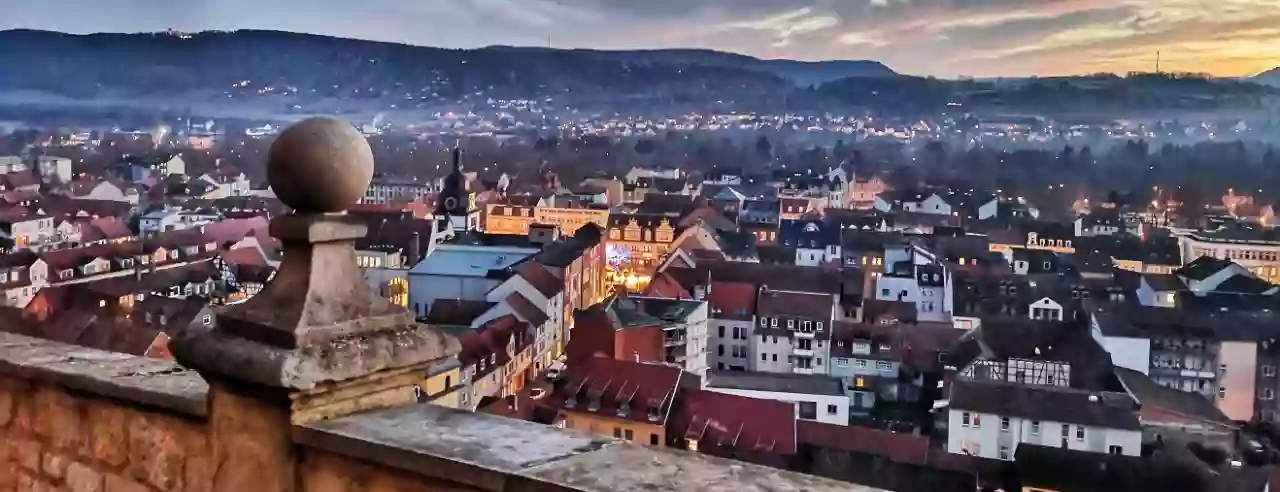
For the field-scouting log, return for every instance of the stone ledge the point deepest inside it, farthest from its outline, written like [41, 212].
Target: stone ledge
[147, 382]
[498, 454]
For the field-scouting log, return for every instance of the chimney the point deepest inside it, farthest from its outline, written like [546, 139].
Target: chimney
[415, 249]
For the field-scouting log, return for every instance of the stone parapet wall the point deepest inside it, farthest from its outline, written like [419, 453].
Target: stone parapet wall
[79, 420]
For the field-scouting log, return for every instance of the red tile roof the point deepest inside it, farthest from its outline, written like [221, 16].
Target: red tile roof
[665, 286]
[526, 309]
[540, 278]
[788, 303]
[456, 312]
[244, 256]
[618, 389]
[902, 448]
[732, 300]
[736, 422]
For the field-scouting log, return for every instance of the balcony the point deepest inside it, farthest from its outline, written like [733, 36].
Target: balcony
[674, 341]
[802, 370]
[806, 335]
[801, 352]
[308, 387]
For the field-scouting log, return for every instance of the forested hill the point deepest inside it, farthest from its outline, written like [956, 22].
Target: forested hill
[311, 66]
[291, 69]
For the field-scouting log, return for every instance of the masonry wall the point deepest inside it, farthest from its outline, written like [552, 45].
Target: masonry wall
[79, 420]
[54, 439]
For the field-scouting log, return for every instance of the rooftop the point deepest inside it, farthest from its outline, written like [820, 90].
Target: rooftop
[469, 261]
[808, 384]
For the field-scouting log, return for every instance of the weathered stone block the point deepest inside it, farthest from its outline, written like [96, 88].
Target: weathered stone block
[8, 400]
[106, 441]
[117, 483]
[156, 454]
[54, 464]
[82, 478]
[199, 473]
[57, 419]
[26, 453]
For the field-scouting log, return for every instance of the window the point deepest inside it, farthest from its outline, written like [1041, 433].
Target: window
[1222, 393]
[1066, 431]
[860, 362]
[721, 331]
[964, 419]
[819, 327]
[1269, 371]
[774, 323]
[842, 362]
[883, 365]
[207, 319]
[1116, 450]
[764, 357]
[1079, 432]
[720, 350]
[832, 410]
[884, 292]
[977, 420]
[628, 434]
[617, 432]
[1004, 452]
[1035, 427]
[808, 410]
[1268, 394]
[653, 439]
[791, 324]
[775, 357]
[1004, 424]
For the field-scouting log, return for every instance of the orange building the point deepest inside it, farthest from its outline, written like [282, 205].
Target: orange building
[514, 214]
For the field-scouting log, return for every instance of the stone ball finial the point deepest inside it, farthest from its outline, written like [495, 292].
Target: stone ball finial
[320, 165]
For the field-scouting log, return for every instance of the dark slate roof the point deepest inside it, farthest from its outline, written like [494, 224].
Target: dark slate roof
[1202, 268]
[1244, 284]
[1043, 403]
[1171, 468]
[1164, 282]
[1148, 393]
[1004, 338]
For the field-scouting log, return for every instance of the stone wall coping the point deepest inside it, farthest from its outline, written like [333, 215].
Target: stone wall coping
[148, 382]
[496, 454]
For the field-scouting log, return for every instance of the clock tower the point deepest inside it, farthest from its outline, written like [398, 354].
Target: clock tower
[455, 207]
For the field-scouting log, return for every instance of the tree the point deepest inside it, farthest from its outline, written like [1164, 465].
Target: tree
[646, 146]
[763, 148]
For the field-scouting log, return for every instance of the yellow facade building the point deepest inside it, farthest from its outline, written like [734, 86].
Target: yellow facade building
[515, 216]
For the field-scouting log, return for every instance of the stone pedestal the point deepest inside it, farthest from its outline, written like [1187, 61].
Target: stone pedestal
[316, 343]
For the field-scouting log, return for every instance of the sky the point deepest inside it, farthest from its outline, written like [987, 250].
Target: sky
[945, 38]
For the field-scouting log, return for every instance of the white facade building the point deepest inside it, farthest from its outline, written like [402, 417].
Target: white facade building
[819, 398]
[990, 419]
[459, 272]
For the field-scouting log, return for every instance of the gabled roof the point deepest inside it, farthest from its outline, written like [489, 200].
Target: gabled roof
[1202, 268]
[618, 389]
[540, 278]
[732, 300]
[817, 306]
[1044, 403]
[1150, 394]
[738, 423]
